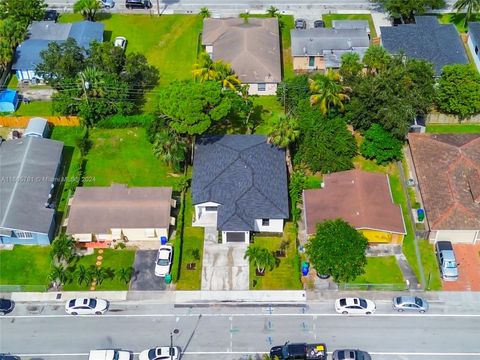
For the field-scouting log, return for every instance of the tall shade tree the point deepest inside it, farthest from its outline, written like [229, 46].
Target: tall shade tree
[12, 33]
[6, 54]
[338, 249]
[381, 145]
[284, 133]
[88, 8]
[327, 92]
[470, 7]
[407, 9]
[22, 11]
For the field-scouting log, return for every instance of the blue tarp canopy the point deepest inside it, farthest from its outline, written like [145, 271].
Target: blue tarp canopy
[8, 100]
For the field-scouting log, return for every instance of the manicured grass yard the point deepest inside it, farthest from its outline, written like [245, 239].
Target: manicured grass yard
[125, 156]
[327, 18]
[430, 265]
[381, 270]
[35, 108]
[25, 265]
[192, 239]
[113, 259]
[267, 111]
[287, 274]
[453, 128]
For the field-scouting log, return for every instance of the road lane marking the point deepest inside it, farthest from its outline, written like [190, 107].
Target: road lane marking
[236, 315]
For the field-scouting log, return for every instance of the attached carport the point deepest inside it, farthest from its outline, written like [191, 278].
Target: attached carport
[144, 278]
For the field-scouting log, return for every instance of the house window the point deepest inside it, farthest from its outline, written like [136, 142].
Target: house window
[210, 208]
[311, 61]
[262, 87]
[24, 234]
[265, 222]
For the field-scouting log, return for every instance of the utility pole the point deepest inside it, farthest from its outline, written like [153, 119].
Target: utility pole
[171, 351]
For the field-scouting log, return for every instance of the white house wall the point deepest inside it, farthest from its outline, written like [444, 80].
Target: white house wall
[270, 89]
[275, 225]
[476, 56]
[143, 234]
[224, 236]
[455, 236]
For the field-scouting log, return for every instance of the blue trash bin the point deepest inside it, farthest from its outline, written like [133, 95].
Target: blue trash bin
[305, 268]
[163, 240]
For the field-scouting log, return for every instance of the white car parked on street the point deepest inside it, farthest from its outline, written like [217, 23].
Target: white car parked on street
[86, 306]
[160, 353]
[164, 260]
[354, 306]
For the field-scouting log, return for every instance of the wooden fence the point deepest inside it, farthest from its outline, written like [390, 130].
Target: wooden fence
[22, 121]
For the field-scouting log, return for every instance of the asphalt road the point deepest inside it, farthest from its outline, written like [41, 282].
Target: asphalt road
[44, 332]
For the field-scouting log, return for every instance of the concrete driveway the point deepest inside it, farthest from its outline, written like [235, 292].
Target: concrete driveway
[144, 278]
[224, 267]
[468, 256]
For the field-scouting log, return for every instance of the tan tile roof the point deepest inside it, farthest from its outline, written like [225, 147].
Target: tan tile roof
[361, 198]
[448, 168]
[95, 210]
[252, 48]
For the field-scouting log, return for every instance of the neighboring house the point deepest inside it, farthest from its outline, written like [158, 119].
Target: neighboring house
[361, 198]
[8, 101]
[239, 186]
[474, 42]
[426, 39]
[140, 216]
[29, 170]
[322, 48]
[447, 170]
[251, 47]
[37, 127]
[41, 33]
[352, 25]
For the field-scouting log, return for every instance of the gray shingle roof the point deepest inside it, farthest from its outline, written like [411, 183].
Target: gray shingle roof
[474, 31]
[351, 24]
[252, 49]
[245, 175]
[317, 41]
[427, 39]
[41, 33]
[28, 167]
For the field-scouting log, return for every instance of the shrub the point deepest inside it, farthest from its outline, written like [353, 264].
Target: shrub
[125, 121]
[380, 145]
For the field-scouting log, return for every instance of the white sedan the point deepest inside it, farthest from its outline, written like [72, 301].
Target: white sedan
[354, 306]
[86, 306]
[160, 353]
[121, 42]
[164, 260]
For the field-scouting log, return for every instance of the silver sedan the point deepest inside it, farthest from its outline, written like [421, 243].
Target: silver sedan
[409, 303]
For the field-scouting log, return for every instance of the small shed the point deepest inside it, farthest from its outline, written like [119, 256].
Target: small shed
[8, 100]
[37, 127]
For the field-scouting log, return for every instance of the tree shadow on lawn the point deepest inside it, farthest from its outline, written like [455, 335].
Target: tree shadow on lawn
[236, 125]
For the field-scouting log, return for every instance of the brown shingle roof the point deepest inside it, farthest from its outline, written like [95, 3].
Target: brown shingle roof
[361, 198]
[95, 210]
[447, 167]
[252, 48]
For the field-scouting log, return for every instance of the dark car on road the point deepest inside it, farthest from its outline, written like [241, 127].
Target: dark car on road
[6, 306]
[351, 355]
[138, 4]
[318, 24]
[9, 357]
[300, 24]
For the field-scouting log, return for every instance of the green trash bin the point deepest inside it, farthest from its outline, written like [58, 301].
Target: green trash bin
[168, 278]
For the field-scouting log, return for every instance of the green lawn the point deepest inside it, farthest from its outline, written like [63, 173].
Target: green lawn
[457, 19]
[267, 111]
[25, 265]
[381, 270]
[35, 108]
[327, 18]
[12, 82]
[288, 24]
[287, 274]
[113, 259]
[430, 265]
[192, 239]
[453, 128]
[125, 156]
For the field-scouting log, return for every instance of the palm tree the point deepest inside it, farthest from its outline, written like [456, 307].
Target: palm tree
[92, 82]
[63, 248]
[59, 275]
[12, 33]
[88, 8]
[125, 274]
[469, 6]
[376, 59]
[272, 11]
[351, 67]
[98, 274]
[170, 147]
[260, 257]
[6, 54]
[81, 275]
[204, 69]
[226, 76]
[205, 13]
[327, 92]
[284, 133]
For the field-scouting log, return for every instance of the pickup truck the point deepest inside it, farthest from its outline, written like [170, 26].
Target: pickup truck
[299, 351]
[446, 260]
[109, 355]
